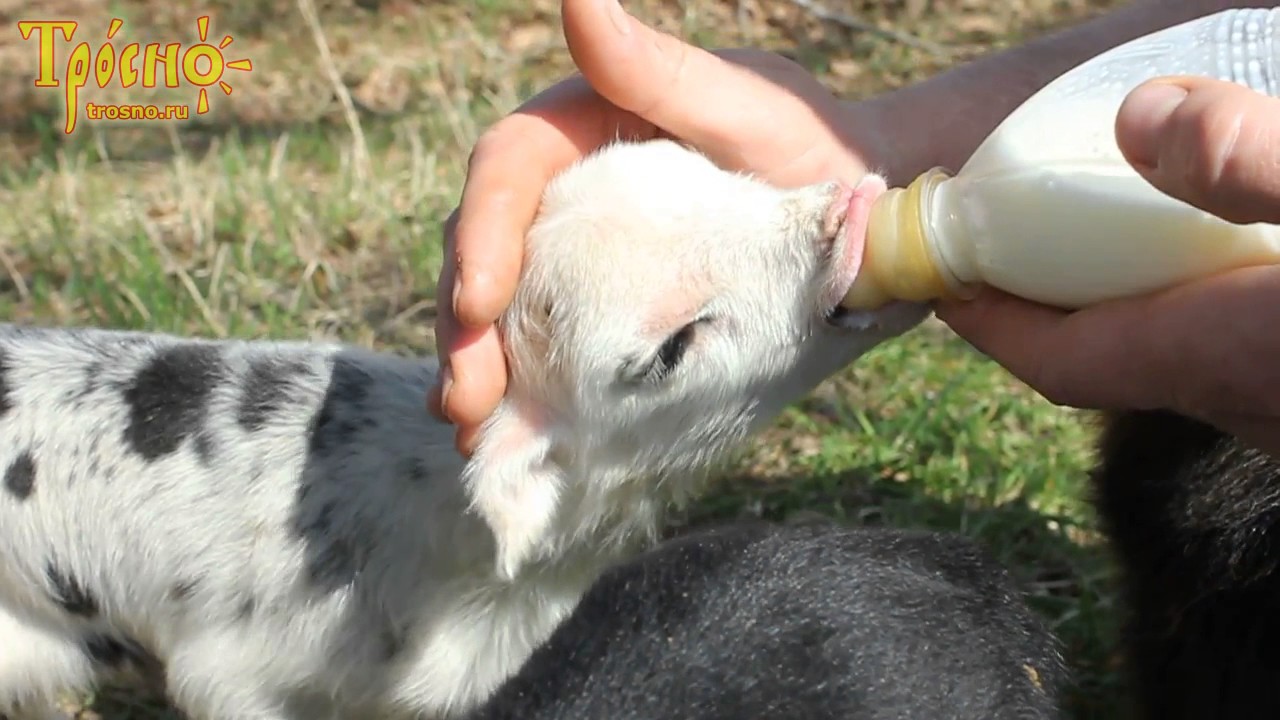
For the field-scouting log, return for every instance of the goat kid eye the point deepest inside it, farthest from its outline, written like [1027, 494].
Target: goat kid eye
[672, 351]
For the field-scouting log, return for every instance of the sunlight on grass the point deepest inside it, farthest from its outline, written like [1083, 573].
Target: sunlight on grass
[266, 238]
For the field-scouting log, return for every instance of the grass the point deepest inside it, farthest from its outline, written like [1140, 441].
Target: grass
[269, 218]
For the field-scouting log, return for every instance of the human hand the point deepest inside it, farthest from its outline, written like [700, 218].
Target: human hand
[747, 110]
[1208, 349]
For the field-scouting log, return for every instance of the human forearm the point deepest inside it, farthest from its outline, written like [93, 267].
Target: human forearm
[941, 121]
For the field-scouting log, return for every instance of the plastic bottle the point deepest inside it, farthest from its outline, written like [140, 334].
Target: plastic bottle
[1048, 209]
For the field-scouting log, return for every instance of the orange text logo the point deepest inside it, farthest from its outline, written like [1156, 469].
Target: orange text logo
[201, 66]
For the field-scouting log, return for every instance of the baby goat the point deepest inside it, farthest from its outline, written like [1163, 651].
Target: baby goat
[281, 530]
[811, 622]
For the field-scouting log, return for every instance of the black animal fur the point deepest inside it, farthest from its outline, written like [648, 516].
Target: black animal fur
[1194, 520]
[807, 622]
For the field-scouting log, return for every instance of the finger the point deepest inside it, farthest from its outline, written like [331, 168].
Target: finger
[445, 327]
[691, 93]
[1084, 359]
[1198, 348]
[435, 402]
[510, 166]
[1211, 143]
[479, 371]
[466, 440]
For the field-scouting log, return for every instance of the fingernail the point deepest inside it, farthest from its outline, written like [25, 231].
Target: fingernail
[1143, 117]
[620, 19]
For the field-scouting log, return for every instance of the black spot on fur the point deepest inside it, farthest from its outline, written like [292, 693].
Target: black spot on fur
[93, 382]
[6, 400]
[414, 470]
[105, 650]
[266, 390]
[333, 560]
[335, 536]
[340, 416]
[332, 563]
[335, 550]
[69, 594]
[112, 652]
[392, 645]
[245, 609]
[106, 473]
[323, 521]
[92, 377]
[169, 398]
[182, 591]
[205, 447]
[120, 653]
[20, 478]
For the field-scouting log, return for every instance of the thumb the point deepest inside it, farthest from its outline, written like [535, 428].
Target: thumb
[690, 93]
[1210, 143]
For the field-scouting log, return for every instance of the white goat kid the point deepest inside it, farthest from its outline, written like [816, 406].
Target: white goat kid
[280, 530]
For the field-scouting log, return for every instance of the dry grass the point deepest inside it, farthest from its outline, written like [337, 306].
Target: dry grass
[308, 203]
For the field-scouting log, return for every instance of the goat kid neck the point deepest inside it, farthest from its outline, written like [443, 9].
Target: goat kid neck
[552, 497]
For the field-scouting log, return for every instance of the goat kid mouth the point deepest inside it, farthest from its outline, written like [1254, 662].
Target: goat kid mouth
[851, 209]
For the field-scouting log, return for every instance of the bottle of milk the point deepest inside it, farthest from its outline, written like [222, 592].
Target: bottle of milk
[1048, 209]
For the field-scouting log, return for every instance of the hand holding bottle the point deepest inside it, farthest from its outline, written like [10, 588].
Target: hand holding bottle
[1209, 348]
[748, 110]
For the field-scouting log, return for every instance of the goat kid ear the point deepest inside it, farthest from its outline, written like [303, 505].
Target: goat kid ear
[513, 484]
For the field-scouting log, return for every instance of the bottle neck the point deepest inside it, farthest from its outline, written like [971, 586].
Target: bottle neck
[901, 260]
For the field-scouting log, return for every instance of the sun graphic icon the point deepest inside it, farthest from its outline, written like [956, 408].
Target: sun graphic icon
[217, 65]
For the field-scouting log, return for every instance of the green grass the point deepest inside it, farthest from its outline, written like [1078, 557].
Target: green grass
[254, 222]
